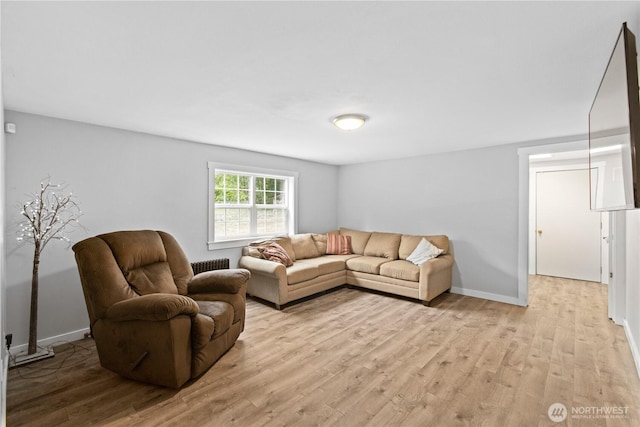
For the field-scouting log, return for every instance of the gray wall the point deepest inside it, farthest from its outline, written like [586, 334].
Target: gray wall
[123, 180]
[472, 196]
[4, 360]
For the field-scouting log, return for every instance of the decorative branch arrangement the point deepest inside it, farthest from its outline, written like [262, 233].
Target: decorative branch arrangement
[48, 214]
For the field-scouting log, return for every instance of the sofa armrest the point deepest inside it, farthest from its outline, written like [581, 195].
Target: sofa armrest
[435, 265]
[153, 307]
[435, 277]
[264, 267]
[219, 281]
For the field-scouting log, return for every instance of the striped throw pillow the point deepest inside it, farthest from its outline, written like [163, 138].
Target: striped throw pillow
[338, 244]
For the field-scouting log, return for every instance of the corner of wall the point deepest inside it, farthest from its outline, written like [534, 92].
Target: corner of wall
[4, 357]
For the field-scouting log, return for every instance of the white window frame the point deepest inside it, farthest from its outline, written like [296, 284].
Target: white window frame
[292, 194]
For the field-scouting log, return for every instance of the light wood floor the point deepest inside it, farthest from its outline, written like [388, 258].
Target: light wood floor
[352, 358]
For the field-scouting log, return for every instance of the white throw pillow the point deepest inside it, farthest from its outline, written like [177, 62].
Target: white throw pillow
[424, 252]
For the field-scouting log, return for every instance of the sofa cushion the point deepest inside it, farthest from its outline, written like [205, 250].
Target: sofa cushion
[359, 239]
[303, 246]
[151, 279]
[275, 252]
[222, 315]
[320, 241]
[237, 301]
[300, 271]
[401, 269]
[338, 245]
[134, 249]
[408, 244]
[251, 251]
[326, 264]
[285, 242]
[383, 245]
[379, 282]
[424, 252]
[366, 264]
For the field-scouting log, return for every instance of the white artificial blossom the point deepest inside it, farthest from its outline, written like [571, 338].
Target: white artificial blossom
[48, 215]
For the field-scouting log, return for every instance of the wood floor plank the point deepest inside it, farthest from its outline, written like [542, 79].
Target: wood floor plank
[353, 358]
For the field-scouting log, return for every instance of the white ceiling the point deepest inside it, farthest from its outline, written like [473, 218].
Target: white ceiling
[268, 76]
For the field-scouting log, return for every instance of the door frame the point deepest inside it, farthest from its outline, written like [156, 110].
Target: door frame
[523, 205]
[617, 304]
[617, 230]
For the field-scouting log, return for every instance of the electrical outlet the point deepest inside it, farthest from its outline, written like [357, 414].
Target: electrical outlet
[7, 340]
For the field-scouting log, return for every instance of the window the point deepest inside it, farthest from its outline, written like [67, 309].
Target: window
[246, 203]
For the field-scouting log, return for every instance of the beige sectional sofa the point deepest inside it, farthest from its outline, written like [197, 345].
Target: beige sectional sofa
[378, 261]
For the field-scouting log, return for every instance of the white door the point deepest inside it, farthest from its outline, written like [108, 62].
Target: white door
[567, 231]
[604, 251]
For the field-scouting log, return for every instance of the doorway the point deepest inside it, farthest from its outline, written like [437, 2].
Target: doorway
[615, 241]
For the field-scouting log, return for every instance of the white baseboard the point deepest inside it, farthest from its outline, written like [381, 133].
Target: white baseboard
[58, 339]
[635, 351]
[486, 295]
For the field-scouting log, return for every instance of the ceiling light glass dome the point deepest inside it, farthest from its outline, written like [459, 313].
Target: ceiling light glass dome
[349, 122]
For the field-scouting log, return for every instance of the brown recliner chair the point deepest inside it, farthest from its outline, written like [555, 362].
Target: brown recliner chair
[151, 318]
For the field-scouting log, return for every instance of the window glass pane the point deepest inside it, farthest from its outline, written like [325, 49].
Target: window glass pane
[232, 215]
[244, 222]
[271, 221]
[259, 197]
[269, 197]
[231, 181]
[219, 215]
[259, 183]
[261, 221]
[232, 228]
[231, 196]
[245, 229]
[244, 182]
[270, 184]
[244, 196]
[232, 222]
[219, 180]
[280, 184]
[220, 223]
[261, 226]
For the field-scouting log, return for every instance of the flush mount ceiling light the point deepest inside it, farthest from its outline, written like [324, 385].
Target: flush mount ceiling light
[349, 121]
